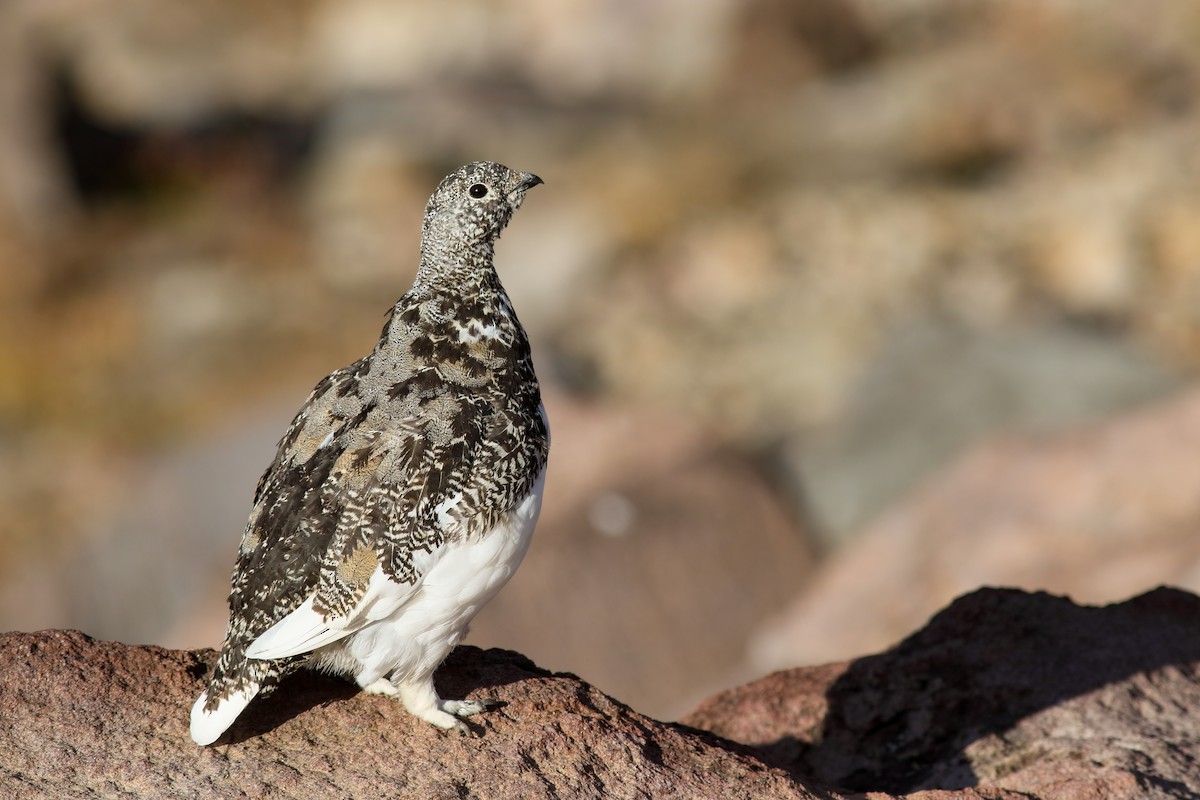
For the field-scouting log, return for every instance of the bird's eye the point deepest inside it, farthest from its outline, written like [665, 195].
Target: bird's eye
[477, 191]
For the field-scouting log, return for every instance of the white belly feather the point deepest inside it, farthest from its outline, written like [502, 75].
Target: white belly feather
[413, 638]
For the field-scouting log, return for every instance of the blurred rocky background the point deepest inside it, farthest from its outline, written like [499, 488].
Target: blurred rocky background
[842, 307]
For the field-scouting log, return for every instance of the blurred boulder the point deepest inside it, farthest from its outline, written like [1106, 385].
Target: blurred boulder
[1099, 514]
[656, 554]
[937, 386]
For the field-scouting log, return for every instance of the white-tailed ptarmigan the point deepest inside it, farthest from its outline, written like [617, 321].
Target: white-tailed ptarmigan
[405, 492]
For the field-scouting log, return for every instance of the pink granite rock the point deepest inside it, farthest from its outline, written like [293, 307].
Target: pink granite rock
[1004, 695]
[1003, 691]
[86, 718]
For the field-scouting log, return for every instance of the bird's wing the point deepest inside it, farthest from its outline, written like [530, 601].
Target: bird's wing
[380, 502]
[306, 629]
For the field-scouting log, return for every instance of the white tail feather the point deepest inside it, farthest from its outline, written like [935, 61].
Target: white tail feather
[207, 726]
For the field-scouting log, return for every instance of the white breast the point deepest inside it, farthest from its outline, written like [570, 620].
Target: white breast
[414, 638]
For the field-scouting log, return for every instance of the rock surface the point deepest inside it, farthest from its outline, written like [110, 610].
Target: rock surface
[86, 718]
[1003, 695]
[1003, 691]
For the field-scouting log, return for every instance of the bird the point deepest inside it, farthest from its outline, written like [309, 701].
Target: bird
[405, 492]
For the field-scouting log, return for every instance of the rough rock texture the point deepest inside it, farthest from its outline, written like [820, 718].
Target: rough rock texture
[86, 718]
[1003, 690]
[1003, 695]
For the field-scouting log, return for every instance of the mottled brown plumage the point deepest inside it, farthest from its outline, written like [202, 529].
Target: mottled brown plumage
[402, 463]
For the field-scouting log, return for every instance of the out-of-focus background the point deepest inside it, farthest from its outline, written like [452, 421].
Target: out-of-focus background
[841, 307]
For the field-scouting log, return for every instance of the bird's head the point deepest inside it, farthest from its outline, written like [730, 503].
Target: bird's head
[472, 205]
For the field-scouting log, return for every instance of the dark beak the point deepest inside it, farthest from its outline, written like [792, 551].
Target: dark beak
[529, 180]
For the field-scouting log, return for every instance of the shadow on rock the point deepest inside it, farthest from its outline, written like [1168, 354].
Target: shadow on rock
[904, 720]
[465, 671]
[1003, 694]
